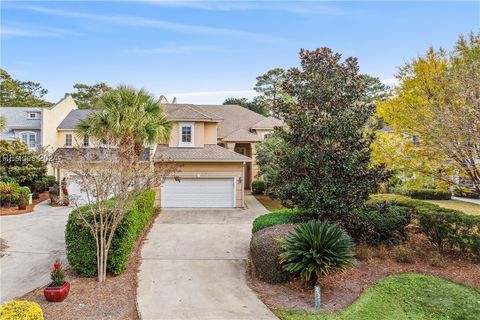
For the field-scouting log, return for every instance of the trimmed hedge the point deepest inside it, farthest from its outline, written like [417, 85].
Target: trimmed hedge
[444, 228]
[265, 250]
[259, 187]
[379, 223]
[466, 193]
[21, 310]
[431, 194]
[81, 248]
[282, 216]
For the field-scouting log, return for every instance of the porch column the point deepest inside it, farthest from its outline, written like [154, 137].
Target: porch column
[230, 146]
[255, 168]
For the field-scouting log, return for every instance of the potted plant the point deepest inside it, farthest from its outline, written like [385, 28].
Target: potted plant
[22, 202]
[54, 194]
[66, 199]
[58, 290]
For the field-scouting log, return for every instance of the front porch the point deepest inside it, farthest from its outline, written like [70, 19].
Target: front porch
[246, 149]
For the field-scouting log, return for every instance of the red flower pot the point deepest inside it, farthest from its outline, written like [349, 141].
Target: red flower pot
[22, 206]
[57, 294]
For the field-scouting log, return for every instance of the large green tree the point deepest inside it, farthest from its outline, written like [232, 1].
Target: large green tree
[438, 101]
[86, 96]
[16, 93]
[324, 164]
[270, 87]
[20, 164]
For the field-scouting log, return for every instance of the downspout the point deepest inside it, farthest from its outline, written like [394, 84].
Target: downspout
[243, 184]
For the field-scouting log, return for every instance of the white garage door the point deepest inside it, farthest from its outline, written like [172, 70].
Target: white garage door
[198, 193]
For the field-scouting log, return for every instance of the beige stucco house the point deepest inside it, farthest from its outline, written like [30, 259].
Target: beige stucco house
[212, 146]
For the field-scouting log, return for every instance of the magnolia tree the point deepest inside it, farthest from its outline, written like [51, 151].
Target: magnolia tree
[118, 165]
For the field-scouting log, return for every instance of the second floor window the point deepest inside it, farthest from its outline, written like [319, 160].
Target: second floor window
[29, 138]
[186, 135]
[68, 140]
[86, 141]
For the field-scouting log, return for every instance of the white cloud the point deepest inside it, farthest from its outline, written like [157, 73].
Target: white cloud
[15, 31]
[168, 49]
[210, 97]
[302, 7]
[138, 21]
[389, 82]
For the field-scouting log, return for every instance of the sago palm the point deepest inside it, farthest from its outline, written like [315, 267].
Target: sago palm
[126, 117]
[315, 249]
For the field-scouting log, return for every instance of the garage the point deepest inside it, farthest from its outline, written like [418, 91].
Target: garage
[198, 193]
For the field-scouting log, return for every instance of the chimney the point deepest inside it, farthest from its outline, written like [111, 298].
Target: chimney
[174, 101]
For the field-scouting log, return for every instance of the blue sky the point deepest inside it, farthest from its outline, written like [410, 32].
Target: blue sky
[203, 52]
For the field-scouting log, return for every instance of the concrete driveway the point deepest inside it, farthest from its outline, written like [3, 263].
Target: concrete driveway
[34, 241]
[194, 263]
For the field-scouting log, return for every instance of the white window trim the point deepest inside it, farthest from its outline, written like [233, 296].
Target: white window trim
[65, 142]
[34, 113]
[83, 141]
[28, 144]
[180, 126]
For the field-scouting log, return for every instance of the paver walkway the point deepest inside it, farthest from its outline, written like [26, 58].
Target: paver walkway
[34, 241]
[194, 264]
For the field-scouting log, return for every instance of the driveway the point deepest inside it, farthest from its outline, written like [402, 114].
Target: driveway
[194, 264]
[34, 241]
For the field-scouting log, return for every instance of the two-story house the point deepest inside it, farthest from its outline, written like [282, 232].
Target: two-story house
[213, 147]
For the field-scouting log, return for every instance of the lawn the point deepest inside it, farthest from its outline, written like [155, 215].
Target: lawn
[406, 296]
[269, 203]
[467, 207]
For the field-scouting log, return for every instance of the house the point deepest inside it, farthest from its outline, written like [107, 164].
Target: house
[36, 126]
[212, 145]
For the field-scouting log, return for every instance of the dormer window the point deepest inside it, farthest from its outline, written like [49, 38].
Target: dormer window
[33, 115]
[185, 138]
[68, 140]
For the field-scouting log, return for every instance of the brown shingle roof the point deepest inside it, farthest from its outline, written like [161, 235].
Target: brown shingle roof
[242, 135]
[188, 112]
[209, 153]
[268, 123]
[97, 154]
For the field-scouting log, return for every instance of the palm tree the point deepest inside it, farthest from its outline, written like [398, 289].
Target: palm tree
[128, 119]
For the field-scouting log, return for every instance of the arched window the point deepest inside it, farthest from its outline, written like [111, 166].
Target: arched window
[29, 138]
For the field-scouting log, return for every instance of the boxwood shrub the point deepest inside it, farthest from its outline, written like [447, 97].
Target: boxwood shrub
[81, 248]
[431, 194]
[259, 187]
[265, 250]
[466, 193]
[282, 216]
[444, 228]
[379, 223]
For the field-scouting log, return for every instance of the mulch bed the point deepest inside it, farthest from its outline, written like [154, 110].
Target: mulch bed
[14, 210]
[88, 299]
[342, 289]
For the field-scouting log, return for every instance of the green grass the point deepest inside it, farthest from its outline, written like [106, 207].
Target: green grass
[269, 203]
[466, 207]
[406, 296]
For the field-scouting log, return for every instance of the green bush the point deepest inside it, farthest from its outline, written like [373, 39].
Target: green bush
[259, 187]
[81, 248]
[9, 193]
[50, 181]
[282, 216]
[431, 194]
[379, 223]
[466, 193]
[444, 228]
[21, 310]
[265, 250]
[315, 249]
[40, 186]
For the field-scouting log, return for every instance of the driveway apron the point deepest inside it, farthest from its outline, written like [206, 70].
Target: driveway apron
[194, 264]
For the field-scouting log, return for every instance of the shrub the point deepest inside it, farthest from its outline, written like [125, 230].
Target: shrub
[40, 186]
[431, 194]
[259, 186]
[404, 254]
[444, 228]
[265, 250]
[9, 193]
[466, 193]
[379, 223]
[283, 216]
[316, 249]
[21, 310]
[81, 248]
[50, 181]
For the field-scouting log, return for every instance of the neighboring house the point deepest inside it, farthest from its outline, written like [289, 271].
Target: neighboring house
[35, 126]
[213, 146]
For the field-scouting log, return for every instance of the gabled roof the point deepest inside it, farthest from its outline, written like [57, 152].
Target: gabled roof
[188, 112]
[241, 135]
[73, 117]
[92, 155]
[209, 153]
[268, 123]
